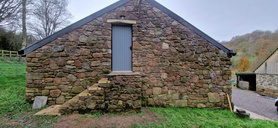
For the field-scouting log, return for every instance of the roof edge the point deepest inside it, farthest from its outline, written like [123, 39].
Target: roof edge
[70, 28]
[245, 73]
[95, 15]
[192, 28]
[266, 59]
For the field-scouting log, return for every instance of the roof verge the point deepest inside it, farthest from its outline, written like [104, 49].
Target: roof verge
[93, 16]
[69, 28]
[192, 28]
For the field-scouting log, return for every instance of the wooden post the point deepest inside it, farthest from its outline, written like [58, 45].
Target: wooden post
[10, 54]
[2, 53]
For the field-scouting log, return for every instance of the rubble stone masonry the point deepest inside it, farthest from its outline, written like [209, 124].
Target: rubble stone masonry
[179, 68]
[267, 84]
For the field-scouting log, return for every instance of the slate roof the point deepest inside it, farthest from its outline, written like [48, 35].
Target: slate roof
[93, 16]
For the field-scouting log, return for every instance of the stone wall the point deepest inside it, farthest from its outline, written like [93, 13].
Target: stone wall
[182, 69]
[121, 94]
[67, 65]
[267, 84]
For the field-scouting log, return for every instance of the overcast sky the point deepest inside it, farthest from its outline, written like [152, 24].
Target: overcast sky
[220, 19]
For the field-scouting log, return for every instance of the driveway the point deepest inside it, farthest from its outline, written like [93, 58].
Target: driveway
[253, 102]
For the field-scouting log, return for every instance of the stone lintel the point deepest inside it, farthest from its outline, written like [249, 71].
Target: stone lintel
[120, 21]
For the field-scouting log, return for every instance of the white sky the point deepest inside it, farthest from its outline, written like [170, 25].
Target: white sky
[220, 19]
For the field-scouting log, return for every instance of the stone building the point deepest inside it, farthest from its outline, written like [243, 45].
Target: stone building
[264, 79]
[270, 65]
[150, 56]
[267, 76]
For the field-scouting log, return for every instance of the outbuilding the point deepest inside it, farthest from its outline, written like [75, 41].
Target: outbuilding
[267, 76]
[150, 56]
[264, 79]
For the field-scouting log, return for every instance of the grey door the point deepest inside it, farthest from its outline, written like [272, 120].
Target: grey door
[121, 48]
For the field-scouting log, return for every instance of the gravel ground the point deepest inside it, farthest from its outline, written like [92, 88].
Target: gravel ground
[255, 103]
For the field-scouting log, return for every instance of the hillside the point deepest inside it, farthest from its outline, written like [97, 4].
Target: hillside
[255, 46]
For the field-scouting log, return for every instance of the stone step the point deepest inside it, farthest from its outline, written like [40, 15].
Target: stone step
[78, 98]
[94, 88]
[95, 85]
[50, 111]
[66, 106]
[54, 109]
[104, 81]
[84, 93]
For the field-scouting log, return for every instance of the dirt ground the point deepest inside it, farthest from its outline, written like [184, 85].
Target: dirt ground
[25, 120]
[83, 121]
[119, 121]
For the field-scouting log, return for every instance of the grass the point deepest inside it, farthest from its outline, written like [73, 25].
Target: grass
[12, 96]
[205, 118]
[12, 67]
[14, 110]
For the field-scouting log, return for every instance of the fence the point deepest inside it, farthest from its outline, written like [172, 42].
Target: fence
[9, 54]
[12, 67]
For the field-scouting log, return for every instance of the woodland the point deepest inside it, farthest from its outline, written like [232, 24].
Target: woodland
[23, 22]
[252, 49]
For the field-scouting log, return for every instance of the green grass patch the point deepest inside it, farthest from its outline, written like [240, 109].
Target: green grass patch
[12, 67]
[14, 110]
[205, 118]
[12, 96]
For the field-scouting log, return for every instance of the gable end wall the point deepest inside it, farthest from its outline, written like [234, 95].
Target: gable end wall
[180, 68]
[271, 67]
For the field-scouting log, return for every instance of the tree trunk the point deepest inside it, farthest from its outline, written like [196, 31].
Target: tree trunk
[24, 30]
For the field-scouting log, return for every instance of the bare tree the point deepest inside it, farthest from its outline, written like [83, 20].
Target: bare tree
[49, 16]
[9, 8]
[24, 30]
